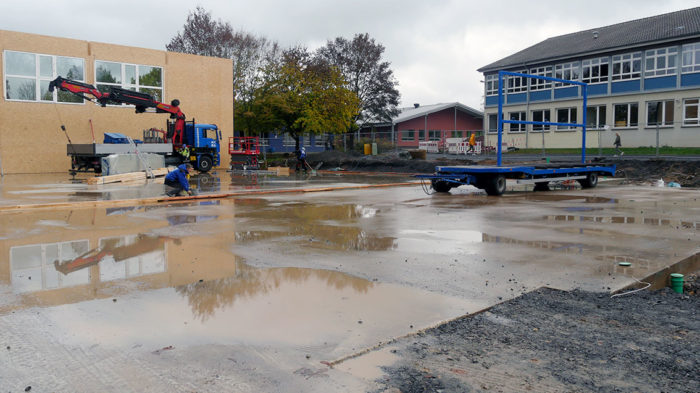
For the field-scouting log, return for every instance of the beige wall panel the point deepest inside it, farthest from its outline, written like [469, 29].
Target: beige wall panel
[31, 140]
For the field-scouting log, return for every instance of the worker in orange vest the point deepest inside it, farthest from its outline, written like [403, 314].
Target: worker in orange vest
[472, 142]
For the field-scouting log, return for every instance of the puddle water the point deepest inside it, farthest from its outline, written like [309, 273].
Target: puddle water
[315, 307]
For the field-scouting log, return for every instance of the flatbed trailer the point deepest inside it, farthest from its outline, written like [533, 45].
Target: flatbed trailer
[492, 179]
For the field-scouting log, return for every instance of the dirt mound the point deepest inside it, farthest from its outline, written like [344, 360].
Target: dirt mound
[684, 172]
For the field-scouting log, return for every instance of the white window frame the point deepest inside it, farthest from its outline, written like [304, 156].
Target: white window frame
[408, 135]
[632, 60]
[688, 103]
[540, 84]
[599, 123]
[568, 116]
[492, 85]
[124, 84]
[653, 57]
[320, 140]
[517, 128]
[595, 65]
[38, 78]
[515, 84]
[568, 71]
[288, 141]
[629, 115]
[493, 122]
[546, 117]
[664, 122]
[691, 58]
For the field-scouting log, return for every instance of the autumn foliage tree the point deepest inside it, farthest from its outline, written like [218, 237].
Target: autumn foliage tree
[368, 76]
[308, 96]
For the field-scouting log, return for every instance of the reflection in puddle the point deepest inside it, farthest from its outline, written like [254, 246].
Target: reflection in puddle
[299, 307]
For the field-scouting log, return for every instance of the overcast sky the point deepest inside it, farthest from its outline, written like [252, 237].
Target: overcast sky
[434, 46]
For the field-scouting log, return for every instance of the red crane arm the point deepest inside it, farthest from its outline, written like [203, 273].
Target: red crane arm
[117, 95]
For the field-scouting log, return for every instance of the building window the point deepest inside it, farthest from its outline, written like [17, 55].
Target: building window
[493, 123]
[516, 84]
[434, 135]
[288, 141]
[492, 85]
[456, 134]
[27, 76]
[626, 115]
[568, 71]
[595, 117]
[691, 57]
[660, 113]
[320, 140]
[661, 61]
[691, 110]
[518, 116]
[627, 66]
[595, 70]
[566, 115]
[541, 84]
[141, 78]
[421, 135]
[542, 116]
[408, 135]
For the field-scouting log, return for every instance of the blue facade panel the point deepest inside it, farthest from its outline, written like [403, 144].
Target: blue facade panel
[566, 92]
[690, 79]
[664, 82]
[515, 98]
[543, 95]
[598, 89]
[491, 101]
[626, 86]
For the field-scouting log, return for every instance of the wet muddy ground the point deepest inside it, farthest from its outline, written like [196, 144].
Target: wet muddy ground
[294, 291]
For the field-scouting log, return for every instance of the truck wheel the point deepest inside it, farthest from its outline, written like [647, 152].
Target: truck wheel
[496, 185]
[590, 181]
[440, 185]
[205, 163]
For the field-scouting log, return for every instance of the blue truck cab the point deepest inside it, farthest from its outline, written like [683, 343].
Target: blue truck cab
[203, 142]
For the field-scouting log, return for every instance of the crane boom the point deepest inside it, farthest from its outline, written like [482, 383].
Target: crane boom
[141, 101]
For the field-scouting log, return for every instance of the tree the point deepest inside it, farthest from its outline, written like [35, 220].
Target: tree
[370, 78]
[307, 95]
[202, 35]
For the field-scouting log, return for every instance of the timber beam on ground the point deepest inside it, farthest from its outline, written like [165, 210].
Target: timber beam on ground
[162, 199]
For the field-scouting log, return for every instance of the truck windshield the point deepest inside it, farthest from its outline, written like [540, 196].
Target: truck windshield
[209, 133]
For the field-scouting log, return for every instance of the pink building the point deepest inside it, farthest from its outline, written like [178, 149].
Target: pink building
[435, 122]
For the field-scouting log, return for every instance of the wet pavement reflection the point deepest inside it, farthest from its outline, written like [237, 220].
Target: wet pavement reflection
[322, 275]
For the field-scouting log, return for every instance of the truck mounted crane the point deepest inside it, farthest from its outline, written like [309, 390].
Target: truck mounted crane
[198, 142]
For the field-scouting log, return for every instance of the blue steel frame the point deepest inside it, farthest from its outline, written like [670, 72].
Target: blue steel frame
[500, 111]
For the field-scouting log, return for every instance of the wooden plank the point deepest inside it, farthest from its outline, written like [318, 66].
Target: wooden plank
[123, 177]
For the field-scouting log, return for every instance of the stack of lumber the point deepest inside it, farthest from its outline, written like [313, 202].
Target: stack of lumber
[126, 177]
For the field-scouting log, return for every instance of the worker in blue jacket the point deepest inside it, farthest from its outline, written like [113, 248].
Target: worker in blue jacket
[177, 181]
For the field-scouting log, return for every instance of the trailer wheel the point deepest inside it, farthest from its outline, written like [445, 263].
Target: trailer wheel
[542, 186]
[496, 185]
[590, 181]
[205, 163]
[440, 185]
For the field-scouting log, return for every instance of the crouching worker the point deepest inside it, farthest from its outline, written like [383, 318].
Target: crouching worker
[177, 183]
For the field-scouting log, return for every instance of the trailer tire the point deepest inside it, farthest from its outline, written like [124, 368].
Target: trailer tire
[590, 181]
[496, 185]
[542, 186]
[440, 185]
[205, 164]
